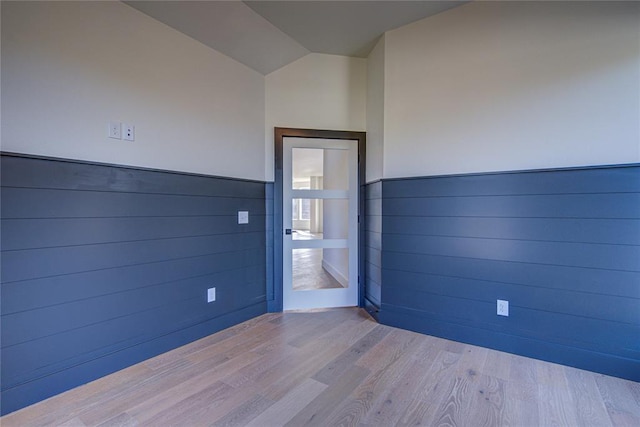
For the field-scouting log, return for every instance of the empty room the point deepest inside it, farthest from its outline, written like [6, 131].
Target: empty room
[275, 213]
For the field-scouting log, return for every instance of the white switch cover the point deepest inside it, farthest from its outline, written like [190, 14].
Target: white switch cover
[211, 294]
[115, 130]
[128, 132]
[243, 217]
[503, 308]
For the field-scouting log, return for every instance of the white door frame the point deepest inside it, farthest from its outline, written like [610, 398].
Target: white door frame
[274, 278]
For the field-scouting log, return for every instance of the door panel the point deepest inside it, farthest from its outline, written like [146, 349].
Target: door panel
[313, 225]
[309, 167]
[320, 206]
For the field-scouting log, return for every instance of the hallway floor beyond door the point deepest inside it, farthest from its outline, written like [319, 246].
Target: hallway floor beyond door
[308, 272]
[338, 367]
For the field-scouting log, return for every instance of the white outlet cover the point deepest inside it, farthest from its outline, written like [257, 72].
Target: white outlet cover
[211, 294]
[115, 130]
[243, 217]
[503, 308]
[128, 132]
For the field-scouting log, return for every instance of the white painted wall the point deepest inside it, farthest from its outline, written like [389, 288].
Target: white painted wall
[68, 68]
[317, 91]
[375, 111]
[336, 214]
[494, 86]
[316, 222]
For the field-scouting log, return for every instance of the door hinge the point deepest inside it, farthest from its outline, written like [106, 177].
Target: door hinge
[358, 219]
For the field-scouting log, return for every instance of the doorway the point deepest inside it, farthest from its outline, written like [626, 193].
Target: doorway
[318, 202]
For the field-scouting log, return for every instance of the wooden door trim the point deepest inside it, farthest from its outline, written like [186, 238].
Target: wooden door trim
[279, 134]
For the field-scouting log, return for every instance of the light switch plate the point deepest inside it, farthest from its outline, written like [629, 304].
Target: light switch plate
[243, 217]
[211, 294]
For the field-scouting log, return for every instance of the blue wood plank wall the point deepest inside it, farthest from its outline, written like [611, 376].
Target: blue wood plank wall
[373, 246]
[270, 261]
[103, 267]
[563, 247]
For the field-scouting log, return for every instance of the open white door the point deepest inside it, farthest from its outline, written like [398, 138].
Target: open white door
[320, 219]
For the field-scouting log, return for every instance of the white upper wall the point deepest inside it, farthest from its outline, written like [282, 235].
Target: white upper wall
[375, 111]
[495, 86]
[68, 68]
[317, 91]
[488, 86]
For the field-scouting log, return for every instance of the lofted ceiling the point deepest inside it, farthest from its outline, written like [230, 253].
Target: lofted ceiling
[267, 35]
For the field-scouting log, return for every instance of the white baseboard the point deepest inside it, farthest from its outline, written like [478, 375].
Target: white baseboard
[344, 281]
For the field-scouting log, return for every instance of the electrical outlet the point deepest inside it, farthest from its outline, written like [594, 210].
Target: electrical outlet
[211, 294]
[503, 308]
[128, 132]
[243, 217]
[115, 130]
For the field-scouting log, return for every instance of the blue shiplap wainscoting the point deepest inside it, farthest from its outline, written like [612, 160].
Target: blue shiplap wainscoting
[269, 227]
[104, 266]
[562, 246]
[373, 247]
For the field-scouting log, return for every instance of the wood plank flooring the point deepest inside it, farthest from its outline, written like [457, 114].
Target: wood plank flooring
[308, 273]
[338, 367]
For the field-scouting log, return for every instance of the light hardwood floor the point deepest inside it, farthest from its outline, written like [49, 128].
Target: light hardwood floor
[308, 273]
[338, 367]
